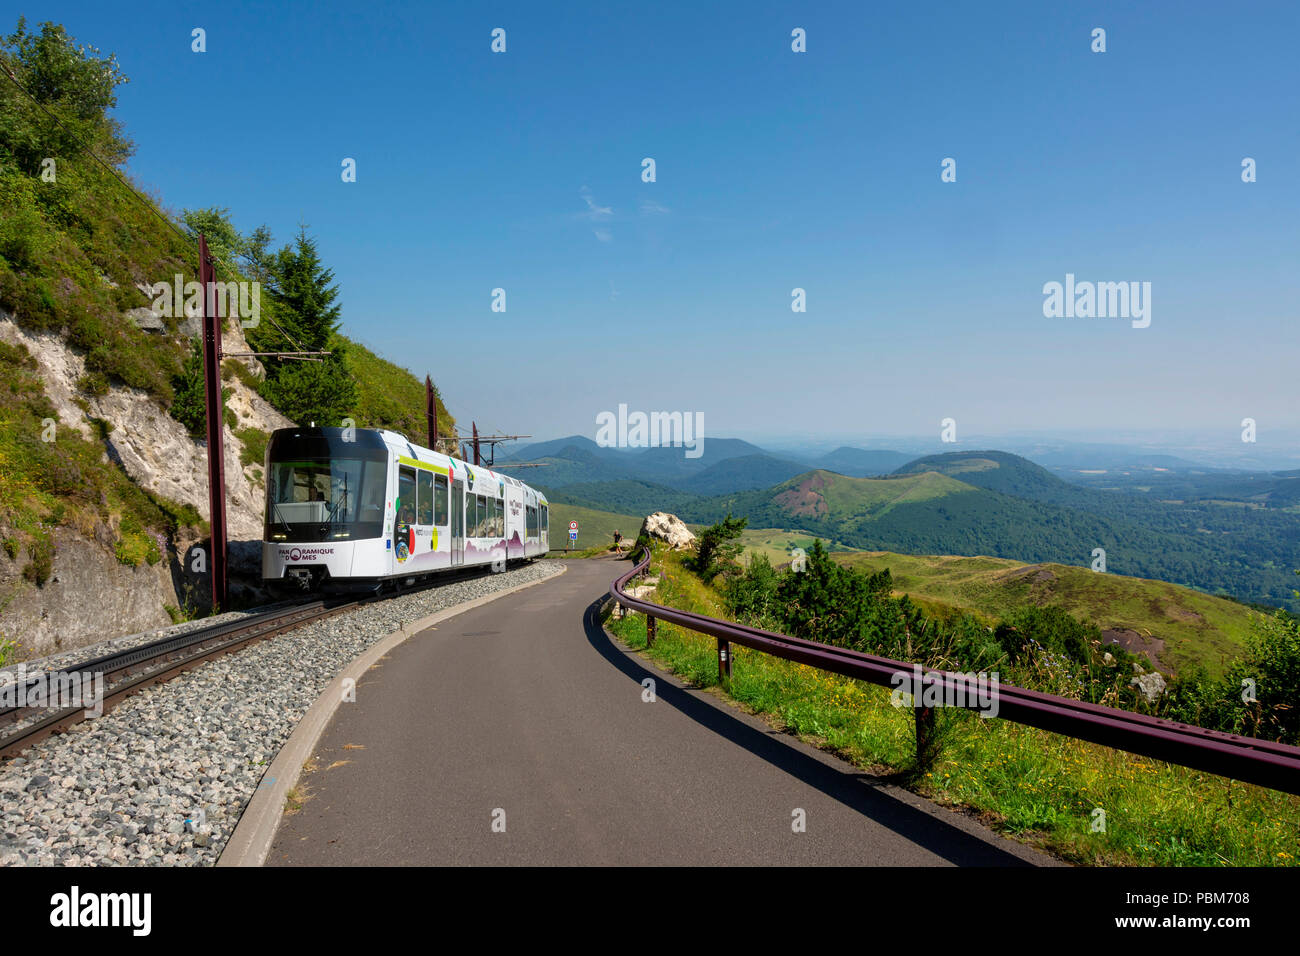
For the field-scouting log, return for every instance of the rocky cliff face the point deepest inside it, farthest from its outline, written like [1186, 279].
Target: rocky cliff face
[91, 595]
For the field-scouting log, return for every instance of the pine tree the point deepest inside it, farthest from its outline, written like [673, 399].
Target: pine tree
[303, 290]
[718, 547]
[300, 313]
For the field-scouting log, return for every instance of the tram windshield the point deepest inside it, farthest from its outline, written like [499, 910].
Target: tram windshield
[316, 492]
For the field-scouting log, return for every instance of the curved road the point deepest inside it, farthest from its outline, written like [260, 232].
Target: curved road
[524, 709]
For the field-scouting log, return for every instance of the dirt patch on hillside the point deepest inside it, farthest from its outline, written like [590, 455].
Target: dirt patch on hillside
[1036, 573]
[805, 499]
[1135, 643]
[1182, 614]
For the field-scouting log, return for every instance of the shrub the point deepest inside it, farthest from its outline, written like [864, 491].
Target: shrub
[1051, 628]
[41, 566]
[93, 383]
[751, 596]
[718, 548]
[254, 441]
[189, 403]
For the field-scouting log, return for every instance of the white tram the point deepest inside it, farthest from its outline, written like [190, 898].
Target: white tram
[358, 509]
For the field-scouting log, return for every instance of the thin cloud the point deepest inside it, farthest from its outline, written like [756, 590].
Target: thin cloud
[651, 208]
[594, 212]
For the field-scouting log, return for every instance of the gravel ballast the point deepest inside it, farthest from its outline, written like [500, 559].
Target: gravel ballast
[164, 777]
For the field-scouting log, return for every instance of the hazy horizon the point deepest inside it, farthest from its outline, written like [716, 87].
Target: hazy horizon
[1204, 448]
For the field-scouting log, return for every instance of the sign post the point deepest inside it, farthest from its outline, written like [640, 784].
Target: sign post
[573, 534]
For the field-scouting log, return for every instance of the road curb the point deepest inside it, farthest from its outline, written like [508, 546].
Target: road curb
[251, 842]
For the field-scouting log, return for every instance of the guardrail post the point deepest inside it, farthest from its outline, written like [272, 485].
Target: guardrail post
[724, 661]
[925, 738]
[649, 631]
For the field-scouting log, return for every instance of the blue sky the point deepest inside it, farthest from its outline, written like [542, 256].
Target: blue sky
[775, 170]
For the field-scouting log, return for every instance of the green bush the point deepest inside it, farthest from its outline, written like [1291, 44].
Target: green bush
[320, 392]
[93, 383]
[1049, 628]
[719, 548]
[25, 239]
[752, 596]
[189, 401]
[254, 441]
[1271, 666]
[41, 566]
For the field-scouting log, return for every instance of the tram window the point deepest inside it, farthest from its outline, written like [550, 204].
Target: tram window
[424, 510]
[469, 516]
[546, 519]
[440, 499]
[373, 489]
[499, 529]
[482, 531]
[406, 495]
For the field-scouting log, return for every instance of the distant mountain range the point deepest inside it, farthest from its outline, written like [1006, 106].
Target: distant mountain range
[1231, 533]
[726, 464]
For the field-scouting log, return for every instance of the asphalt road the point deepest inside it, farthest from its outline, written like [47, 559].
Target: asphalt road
[523, 712]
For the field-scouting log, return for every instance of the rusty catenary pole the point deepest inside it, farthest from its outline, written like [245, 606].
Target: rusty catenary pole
[475, 427]
[216, 424]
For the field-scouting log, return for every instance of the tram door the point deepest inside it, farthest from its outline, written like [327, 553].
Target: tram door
[457, 522]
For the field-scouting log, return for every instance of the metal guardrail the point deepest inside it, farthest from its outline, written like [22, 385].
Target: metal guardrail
[1261, 762]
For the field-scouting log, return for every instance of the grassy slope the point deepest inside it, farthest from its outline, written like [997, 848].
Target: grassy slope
[595, 528]
[931, 513]
[71, 253]
[1196, 627]
[1037, 786]
[873, 497]
[777, 543]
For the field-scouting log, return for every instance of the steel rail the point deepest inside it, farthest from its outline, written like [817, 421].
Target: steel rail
[110, 664]
[1262, 762]
[132, 669]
